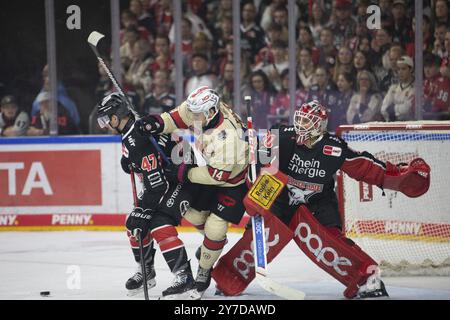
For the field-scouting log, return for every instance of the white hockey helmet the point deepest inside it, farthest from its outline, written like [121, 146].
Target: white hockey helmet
[203, 99]
[310, 121]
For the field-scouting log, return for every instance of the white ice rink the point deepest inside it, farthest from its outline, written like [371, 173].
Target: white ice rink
[31, 262]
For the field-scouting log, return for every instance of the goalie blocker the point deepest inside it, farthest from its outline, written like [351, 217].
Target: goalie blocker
[327, 247]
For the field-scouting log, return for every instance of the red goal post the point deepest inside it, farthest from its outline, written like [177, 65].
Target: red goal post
[405, 235]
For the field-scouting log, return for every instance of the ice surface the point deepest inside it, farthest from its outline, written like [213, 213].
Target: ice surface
[31, 262]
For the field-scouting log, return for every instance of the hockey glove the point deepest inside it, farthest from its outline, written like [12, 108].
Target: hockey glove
[177, 173]
[413, 180]
[125, 165]
[149, 125]
[139, 219]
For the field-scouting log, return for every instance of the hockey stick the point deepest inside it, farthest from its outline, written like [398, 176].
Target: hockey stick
[93, 41]
[139, 236]
[258, 229]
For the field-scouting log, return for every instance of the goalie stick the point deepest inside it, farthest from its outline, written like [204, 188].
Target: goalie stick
[258, 229]
[93, 41]
[139, 237]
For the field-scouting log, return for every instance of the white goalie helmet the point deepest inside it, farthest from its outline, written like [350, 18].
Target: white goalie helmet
[203, 99]
[310, 121]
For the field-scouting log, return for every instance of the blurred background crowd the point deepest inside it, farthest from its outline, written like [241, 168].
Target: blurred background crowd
[359, 74]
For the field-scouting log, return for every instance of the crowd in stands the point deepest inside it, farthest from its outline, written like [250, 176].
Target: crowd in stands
[359, 74]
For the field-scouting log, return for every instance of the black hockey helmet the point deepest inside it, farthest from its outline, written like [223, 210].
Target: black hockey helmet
[113, 103]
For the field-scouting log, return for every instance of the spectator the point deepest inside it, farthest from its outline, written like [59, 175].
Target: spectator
[317, 20]
[40, 123]
[62, 96]
[273, 34]
[268, 15]
[431, 82]
[224, 34]
[202, 44]
[398, 104]
[344, 27]
[427, 37]
[363, 44]
[225, 10]
[379, 47]
[337, 113]
[225, 86]
[401, 23]
[323, 90]
[13, 121]
[252, 36]
[344, 62]
[163, 59]
[281, 103]
[439, 36]
[130, 37]
[160, 99]
[187, 36]
[439, 101]
[361, 61]
[365, 103]
[442, 12]
[327, 50]
[262, 93]
[130, 20]
[163, 16]
[280, 62]
[386, 13]
[197, 24]
[143, 18]
[305, 69]
[305, 40]
[201, 74]
[138, 75]
[394, 53]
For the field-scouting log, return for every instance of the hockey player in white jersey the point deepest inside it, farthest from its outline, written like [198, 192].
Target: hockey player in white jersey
[220, 140]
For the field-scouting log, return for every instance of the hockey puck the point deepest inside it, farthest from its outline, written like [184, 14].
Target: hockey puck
[45, 293]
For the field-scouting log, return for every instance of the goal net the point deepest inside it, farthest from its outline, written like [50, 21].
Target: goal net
[407, 236]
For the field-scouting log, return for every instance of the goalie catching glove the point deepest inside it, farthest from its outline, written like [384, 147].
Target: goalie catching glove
[139, 220]
[413, 180]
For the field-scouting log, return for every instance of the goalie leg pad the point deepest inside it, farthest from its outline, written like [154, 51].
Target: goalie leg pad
[328, 248]
[236, 269]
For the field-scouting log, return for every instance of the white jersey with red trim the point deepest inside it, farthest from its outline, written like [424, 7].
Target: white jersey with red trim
[222, 144]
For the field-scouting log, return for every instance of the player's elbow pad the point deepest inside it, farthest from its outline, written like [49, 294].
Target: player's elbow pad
[413, 180]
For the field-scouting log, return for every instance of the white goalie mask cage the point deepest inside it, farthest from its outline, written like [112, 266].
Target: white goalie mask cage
[310, 121]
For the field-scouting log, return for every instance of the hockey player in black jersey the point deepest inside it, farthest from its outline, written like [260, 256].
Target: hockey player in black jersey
[160, 205]
[306, 160]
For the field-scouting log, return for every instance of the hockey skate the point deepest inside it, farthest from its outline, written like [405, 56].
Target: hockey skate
[134, 284]
[182, 284]
[378, 291]
[202, 282]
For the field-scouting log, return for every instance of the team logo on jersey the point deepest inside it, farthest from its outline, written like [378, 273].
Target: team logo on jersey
[332, 151]
[300, 191]
[125, 152]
